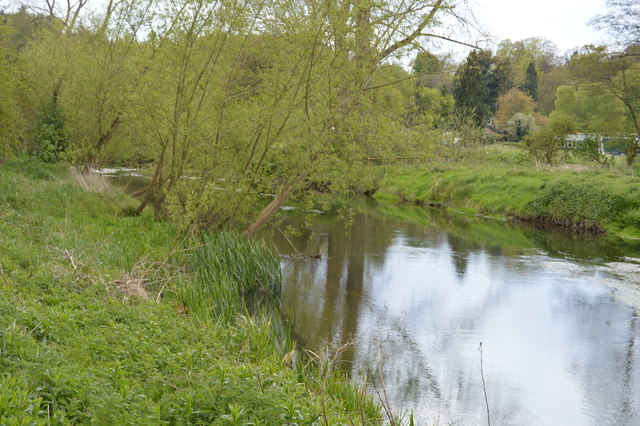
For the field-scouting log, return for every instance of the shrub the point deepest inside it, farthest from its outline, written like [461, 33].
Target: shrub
[577, 202]
[51, 135]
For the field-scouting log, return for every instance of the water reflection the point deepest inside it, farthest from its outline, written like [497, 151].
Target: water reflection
[419, 291]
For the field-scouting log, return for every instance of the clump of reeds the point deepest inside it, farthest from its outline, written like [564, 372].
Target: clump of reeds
[232, 276]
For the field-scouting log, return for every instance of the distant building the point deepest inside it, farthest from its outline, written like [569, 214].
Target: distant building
[613, 145]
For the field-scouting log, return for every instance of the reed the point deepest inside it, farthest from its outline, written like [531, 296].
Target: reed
[232, 276]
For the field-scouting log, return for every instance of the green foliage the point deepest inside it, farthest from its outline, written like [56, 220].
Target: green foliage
[550, 69]
[51, 134]
[8, 78]
[500, 180]
[78, 347]
[520, 54]
[479, 81]
[594, 111]
[512, 102]
[460, 133]
[576, 202]
[231, 275]
[470, 92]
[530, 84]
[601, 71]
[427, 63]
[566, 101]
[430, 105]
[590, 150]
[544, 143]
[521, 124]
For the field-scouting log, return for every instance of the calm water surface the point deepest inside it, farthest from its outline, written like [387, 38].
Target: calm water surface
[417, 291]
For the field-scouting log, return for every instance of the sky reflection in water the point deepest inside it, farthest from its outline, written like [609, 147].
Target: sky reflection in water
[418, 292]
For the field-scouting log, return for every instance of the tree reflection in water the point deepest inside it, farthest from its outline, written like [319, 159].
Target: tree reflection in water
[419, 290]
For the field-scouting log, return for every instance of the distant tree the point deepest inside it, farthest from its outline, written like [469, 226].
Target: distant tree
[429, 104]
[513, 102]
[470, 91]
[566, 100]
[551, 70]
[595, 111]
[502, 78]
[599, 70]
[521, 124]
[461, 132]
[544, 143]
[496, 76]
[432, 71]
[547, 86]
[589, 149]
[426, 63]
[520, 54]
[530, 84]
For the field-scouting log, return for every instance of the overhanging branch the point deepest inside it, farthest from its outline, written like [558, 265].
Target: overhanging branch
[418, 31]
[452, 40]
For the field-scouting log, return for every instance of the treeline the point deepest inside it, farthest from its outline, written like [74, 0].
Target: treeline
[225, 101]
[528, 91]
[251, 97]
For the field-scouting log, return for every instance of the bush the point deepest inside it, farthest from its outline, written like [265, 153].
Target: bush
[51, 135]
[576, 202]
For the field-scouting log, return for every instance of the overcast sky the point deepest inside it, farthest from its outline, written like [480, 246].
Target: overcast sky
[562, 21]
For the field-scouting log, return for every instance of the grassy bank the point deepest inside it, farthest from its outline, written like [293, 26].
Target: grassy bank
[503, 183]
[114, 319]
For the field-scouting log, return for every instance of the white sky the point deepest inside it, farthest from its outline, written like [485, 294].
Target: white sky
[562, 21]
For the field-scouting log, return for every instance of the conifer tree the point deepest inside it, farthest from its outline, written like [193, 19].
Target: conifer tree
[470, 90]
[530, 84]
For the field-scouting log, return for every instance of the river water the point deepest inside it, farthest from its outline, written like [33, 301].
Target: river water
[417, 291]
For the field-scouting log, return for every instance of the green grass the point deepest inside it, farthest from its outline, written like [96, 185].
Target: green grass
[76, 347]
[574, 195]
[231, 275]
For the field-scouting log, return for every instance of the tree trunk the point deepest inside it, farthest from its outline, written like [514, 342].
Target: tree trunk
[273, 207]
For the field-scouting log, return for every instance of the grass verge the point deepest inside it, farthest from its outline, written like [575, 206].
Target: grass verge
[575, 197]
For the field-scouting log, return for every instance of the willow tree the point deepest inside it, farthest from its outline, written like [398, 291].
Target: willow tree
[251, 97]
[91, 65]
[599, 70]
[363, 35]
[8, 108]
[229, 99]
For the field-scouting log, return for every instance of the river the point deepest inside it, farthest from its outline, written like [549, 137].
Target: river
[416, 291]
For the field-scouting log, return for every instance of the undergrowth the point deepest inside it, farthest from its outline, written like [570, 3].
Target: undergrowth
[76, 346]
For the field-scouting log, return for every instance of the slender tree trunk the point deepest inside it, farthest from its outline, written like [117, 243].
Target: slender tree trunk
[273, 207]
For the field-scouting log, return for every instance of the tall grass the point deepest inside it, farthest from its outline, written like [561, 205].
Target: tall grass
[232, 276]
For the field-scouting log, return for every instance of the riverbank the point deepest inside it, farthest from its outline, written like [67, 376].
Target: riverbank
[578, 197]
[110, 318]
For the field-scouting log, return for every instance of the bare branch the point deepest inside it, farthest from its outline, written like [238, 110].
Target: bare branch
[462, 43]
[439, 4]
